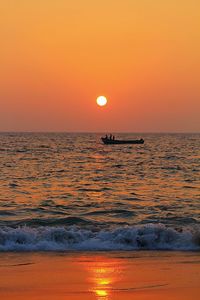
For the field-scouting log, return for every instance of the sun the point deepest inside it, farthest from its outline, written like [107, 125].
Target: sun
[102, 101]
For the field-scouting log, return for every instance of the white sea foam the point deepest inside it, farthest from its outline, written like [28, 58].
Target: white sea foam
[141, 237]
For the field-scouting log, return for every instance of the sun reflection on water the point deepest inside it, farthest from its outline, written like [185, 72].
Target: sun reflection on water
[104, 273]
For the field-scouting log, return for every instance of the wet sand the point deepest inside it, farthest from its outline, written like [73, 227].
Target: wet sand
[100, 275]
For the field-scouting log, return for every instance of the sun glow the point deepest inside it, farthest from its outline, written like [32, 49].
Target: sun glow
[102, 101]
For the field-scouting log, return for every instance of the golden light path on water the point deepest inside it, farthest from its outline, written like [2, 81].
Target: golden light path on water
[103, 275]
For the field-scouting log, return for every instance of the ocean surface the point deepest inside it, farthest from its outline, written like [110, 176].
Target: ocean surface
[61, 191]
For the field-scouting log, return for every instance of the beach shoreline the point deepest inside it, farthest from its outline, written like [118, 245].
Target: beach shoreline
[100, 275]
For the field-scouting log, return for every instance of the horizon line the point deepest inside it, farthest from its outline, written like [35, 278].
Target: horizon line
[100, 132]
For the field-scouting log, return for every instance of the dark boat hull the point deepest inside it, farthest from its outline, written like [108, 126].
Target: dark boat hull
[121, 142]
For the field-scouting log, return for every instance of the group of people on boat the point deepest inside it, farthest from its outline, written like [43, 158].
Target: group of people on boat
[110, 137]
[110, 140]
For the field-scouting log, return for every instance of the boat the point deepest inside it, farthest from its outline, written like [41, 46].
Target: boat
[108, 141]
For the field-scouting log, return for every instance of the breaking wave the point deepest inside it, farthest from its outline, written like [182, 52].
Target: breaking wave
[141, 237]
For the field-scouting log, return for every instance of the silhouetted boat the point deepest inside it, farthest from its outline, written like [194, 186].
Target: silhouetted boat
[108, 141]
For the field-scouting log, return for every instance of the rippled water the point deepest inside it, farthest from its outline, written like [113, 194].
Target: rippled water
[56, 180]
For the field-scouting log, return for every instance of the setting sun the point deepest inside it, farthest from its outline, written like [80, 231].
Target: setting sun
[102, 101]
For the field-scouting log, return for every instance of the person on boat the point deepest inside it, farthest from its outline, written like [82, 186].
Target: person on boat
[113, 138]
[106, 137]
[110, 137]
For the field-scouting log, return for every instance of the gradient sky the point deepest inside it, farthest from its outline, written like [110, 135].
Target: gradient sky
[57, 56]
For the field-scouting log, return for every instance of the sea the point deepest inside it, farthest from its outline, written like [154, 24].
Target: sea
[69, 192]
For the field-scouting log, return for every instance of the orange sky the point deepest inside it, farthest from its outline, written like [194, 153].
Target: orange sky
[56, 57]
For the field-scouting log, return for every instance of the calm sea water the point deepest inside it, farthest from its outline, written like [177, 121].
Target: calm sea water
[62, 191]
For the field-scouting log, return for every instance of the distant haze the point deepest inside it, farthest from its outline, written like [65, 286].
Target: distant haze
[56, 57]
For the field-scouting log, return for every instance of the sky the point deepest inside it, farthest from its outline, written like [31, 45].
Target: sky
[57, 56]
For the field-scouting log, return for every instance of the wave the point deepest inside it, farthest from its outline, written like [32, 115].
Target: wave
[141, 237]
[66, 221]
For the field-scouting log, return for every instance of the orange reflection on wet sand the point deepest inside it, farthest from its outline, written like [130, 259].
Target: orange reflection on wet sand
[103, 273]
[115, 276]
